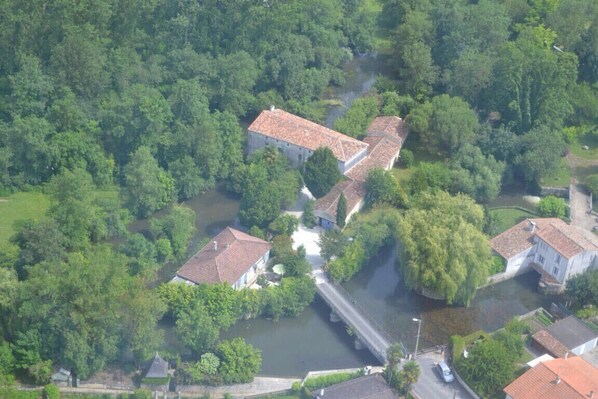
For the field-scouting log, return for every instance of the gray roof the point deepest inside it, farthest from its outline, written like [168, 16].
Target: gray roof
[367, 387]
[158, 368]
[571, 332]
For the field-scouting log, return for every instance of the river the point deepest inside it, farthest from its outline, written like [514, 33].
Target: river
[291, 347]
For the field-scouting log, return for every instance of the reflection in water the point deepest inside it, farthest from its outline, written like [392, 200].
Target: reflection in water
[292, 347]
[312, 342]
[379, 290]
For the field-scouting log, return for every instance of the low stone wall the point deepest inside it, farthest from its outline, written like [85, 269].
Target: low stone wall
[464, 385]
[561, 192]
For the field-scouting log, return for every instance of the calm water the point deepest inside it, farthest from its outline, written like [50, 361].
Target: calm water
[360, 76]
[312, 342]
[291, 347]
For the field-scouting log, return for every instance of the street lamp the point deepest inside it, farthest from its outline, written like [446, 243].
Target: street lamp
[419, 326]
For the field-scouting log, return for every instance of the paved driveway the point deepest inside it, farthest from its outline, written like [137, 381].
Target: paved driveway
[430, 386]
[580, 203]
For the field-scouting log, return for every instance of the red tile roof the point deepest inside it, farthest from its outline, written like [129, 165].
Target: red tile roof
[389, 126]
[550, 343]
[381, 152]
[281, 125]
[235, 253]
[354, 192]
[565, 239]
[571, 378]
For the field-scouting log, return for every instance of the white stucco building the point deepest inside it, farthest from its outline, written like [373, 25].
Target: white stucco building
[550, 246]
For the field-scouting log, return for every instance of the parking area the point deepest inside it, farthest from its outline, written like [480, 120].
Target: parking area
[430, 386]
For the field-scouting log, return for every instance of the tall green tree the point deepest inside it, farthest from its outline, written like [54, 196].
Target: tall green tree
[196, 328]
[321, 172]
[341, 211]
[239, 361]
[444, 251]
[148, 187]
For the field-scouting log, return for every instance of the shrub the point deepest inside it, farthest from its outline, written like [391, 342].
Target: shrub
[552, 206]
[51, 391]
[327, 380]
[406, 158]
[592, 184]
[308, 216]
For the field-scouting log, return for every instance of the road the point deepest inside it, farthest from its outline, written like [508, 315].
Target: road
[430, 386]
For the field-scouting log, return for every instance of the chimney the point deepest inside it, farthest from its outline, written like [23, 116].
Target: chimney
[272, 108]
[558, 380]
[227, 245]
[215, 246]
[532, 226]
[566, 354]
[591, 395]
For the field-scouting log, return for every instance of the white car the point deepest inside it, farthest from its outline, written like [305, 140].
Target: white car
[445, 372]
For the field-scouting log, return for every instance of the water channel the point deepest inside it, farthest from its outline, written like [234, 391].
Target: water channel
[291, 347]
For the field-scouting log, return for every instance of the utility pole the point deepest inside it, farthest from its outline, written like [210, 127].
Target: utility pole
[419, 326]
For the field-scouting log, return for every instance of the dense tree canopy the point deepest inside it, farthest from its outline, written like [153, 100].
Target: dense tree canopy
[443, 250]
[321, 172]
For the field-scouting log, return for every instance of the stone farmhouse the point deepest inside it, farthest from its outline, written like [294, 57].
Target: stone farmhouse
[555, 249]
[298, 138]
[571, 378]
[233, 257]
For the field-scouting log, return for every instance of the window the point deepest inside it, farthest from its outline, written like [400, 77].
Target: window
[558, 258]
[541, 259]
[300, 157]
[555, 271]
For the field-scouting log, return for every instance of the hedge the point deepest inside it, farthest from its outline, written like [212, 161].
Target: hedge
[326, 380]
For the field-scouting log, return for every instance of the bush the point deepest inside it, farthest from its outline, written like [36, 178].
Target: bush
[592, 184]
[327, 380]
[406, 158]
[552, 206]
[51, 391]
[308, 216]
[497, 265]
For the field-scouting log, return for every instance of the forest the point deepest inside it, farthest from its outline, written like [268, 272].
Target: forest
[115, 109]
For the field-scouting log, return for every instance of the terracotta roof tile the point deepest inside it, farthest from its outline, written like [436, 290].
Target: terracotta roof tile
[281, 125]
[550, 343]
[565, 239]
[571, 378]
[381, 152]
[354, 192]
[392, 127]
[235, 253]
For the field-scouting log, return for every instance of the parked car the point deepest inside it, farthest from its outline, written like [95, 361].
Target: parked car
[445, 372]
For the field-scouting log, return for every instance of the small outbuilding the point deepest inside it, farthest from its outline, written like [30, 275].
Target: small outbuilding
[61, 378]
[569, 336]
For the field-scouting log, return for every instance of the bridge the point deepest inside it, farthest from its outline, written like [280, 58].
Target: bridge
[367, 332]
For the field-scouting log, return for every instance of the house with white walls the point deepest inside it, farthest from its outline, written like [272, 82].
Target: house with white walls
[555, 249]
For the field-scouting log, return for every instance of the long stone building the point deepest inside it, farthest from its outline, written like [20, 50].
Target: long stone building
[298, 138]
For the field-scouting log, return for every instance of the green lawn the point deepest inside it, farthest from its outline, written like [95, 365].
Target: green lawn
[509, 217]
[590, 140]
[19, 207]
[560, 177]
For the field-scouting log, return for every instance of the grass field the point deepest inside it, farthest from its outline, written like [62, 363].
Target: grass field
[560, 177]
[509, 217]
[590, 140]
[19, 207]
